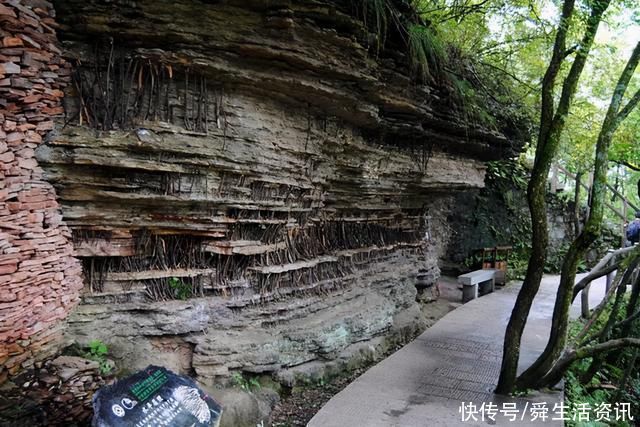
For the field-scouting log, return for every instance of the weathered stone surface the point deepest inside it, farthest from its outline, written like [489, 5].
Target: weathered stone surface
[256, 193]
[52, 393]
[245, 409]
[262, 338]
[498, 215]
[272, 170]
[39, 279]
[322, 66]
[70, 366]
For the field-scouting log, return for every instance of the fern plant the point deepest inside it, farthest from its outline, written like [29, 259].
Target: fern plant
[427, 52]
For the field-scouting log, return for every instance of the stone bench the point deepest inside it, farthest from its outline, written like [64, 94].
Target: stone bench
[471, 281]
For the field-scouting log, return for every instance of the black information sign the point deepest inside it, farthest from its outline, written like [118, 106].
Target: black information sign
[154, 397]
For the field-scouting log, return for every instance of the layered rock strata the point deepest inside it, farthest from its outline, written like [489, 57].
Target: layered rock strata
[250, 187]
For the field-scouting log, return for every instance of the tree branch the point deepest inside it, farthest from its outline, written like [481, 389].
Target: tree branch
[571, 81]
[627, 109]
[489, 48]
[622, 283]
[507, 73]
[621, 88]
[593, 275]
[591, 350]
[549, 79]
[571, 355]
[621, 323]
[598, 311]
[571, 50]
[599, 269]
[627, 164]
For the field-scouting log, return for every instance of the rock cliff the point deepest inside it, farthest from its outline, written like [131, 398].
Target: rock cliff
[252, 185]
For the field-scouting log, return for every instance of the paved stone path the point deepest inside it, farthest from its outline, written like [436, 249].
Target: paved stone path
[456, 360]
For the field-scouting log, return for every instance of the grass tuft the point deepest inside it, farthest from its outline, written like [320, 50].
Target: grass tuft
[427, 53]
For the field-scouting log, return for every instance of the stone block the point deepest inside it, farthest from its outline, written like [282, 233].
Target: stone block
[6, 296]
[31, 98]
[33, 137]
[6, 11]
[8, 268]
[45, 125]
[9, 126]
[7, 157]
[15, 137]
[11, 42]
[28, 41]
[28, 164]
[9, 68]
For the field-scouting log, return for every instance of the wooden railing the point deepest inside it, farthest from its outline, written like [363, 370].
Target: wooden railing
[558, 173]
[606, 267]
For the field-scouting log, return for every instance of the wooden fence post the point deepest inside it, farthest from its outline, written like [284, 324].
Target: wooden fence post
[611, 275]
[554, 178]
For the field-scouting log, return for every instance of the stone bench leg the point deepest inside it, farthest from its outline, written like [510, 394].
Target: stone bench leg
[487, 286]
[469, 292]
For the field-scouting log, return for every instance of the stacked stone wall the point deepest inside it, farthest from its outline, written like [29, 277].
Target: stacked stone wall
[40, 279]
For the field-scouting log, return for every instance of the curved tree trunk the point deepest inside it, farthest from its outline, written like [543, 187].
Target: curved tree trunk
[551, 127]
[557, 334]
[545, 151]
[615, 115]
[511, 351]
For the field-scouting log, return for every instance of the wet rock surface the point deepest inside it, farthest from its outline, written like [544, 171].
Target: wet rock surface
[56, 392]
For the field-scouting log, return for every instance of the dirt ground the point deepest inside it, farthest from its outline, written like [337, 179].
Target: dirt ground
[296, 409]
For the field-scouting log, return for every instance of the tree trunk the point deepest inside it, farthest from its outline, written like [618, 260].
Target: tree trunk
[551, 127]
[631, 306]
[535, 269]
[615, 115]
[557, 334]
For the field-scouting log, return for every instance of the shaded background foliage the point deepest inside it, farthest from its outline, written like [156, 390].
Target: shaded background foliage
[498, 215]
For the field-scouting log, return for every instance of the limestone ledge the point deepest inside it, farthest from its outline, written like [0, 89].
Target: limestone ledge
[212, 337]
[266, 157]
[114, 179]
[317, 60]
